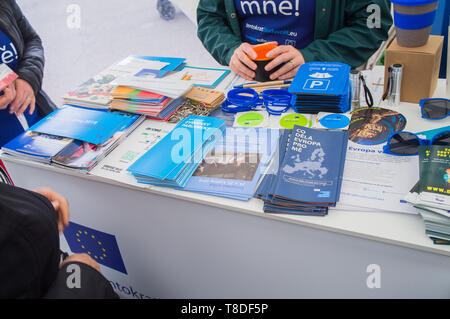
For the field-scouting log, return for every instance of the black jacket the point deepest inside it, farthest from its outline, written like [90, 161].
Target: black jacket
[30, 255]
[30, 50]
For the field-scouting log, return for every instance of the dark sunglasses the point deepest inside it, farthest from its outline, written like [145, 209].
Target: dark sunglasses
[435, 109]
[407, 144]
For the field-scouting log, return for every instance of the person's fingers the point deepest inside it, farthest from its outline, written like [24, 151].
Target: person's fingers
[288, 68]
[282, 58]
[248, 49]
[23, 107]
[82, 258]
[32, 105]
[6, 98]
[19, 100]
[243, 57]
[288, 75]
[239, 68]
[278, 50]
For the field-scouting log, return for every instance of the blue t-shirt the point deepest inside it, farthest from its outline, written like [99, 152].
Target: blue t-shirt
[289, 22]
[10, 126]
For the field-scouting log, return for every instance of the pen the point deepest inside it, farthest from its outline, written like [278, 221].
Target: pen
[258, 84]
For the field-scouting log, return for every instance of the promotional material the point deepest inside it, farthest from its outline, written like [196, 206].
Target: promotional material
[198, 76]
[36, 146]
[7, 76]
[235, 164]
[321, 87]
[413, 20]
[86, 125]
[173, 160]
[307, 178]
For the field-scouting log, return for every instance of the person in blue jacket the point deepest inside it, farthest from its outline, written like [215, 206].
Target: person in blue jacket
[21, 49]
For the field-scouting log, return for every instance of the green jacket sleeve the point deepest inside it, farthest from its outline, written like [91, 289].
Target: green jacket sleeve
[215, 31]
[356, 42]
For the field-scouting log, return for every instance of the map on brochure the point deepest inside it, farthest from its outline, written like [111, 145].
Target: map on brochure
[115, 165]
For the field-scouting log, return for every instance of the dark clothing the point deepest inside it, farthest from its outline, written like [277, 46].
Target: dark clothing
[341, 32]
[29, 48]
[30, 255]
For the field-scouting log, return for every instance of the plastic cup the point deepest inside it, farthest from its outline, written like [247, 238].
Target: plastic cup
[261, 75]
[413, 21]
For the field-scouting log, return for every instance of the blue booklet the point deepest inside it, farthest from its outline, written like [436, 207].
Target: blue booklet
[328, 78]
[234, 166]
[178, 149]
[36, 146]
[87, 125]
[312, 168]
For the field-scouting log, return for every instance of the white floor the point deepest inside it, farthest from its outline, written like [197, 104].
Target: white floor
[109, 30]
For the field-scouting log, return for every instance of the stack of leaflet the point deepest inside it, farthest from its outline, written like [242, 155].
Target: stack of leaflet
[234, 166]
[306, 177]
[96, 92]
[321, 87]
[151, 104]
[73, 137]
[431, 194]
[175, 158]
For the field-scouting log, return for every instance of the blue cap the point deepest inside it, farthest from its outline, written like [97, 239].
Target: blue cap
[413, 2]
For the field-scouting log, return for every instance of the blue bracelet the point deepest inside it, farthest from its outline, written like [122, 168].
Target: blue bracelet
[238, 100]
[276, 101]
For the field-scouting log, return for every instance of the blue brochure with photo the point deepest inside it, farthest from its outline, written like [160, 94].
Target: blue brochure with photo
[178, 149]
[87, 125]
[312, 168]
[234, 166]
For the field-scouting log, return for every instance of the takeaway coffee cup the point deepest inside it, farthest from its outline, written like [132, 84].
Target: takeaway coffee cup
[413, 20]
[261, 75]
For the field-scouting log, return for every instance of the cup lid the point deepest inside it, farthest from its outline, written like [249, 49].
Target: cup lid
[262, 50]
[413, 2]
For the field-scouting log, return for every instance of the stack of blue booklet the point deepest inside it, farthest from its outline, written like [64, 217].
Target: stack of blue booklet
[73, 137]
[234, 166]
[321, 87]
[175, 158]
[306, 179]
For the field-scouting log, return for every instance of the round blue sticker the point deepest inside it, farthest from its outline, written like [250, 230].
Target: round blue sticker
[335, 121]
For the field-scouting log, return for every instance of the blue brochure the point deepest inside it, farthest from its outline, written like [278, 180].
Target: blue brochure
[177, 149]
[40, 146]
[312, 168]
[328, 78]
[87, 125]
[174, 63]
[234, 166]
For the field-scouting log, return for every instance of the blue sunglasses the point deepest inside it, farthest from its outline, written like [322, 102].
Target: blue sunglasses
[434, 109]
[407, 143]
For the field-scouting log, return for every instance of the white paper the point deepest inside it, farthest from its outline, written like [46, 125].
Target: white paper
[134, 65]
[144, 137]
[373, 179]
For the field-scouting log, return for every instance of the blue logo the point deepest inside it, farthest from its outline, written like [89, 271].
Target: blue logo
[102, 247]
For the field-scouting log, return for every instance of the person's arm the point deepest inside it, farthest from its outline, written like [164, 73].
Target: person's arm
[31, 63]
[215, 32]
[356, 42]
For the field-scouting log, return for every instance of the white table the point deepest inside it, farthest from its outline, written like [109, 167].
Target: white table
[177, 244]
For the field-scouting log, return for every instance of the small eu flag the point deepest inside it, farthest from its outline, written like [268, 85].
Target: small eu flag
[102, 247]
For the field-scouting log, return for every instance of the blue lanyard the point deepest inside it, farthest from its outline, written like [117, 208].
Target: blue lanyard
[276, 101]
[241, 100]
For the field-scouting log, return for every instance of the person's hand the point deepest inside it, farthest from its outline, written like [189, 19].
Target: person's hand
[240, 62]
[24, 98]
[282, 54]
[60, 204]
[81, 258]
[9, 94]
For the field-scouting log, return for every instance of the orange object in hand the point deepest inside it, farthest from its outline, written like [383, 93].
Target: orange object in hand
[262, 50]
